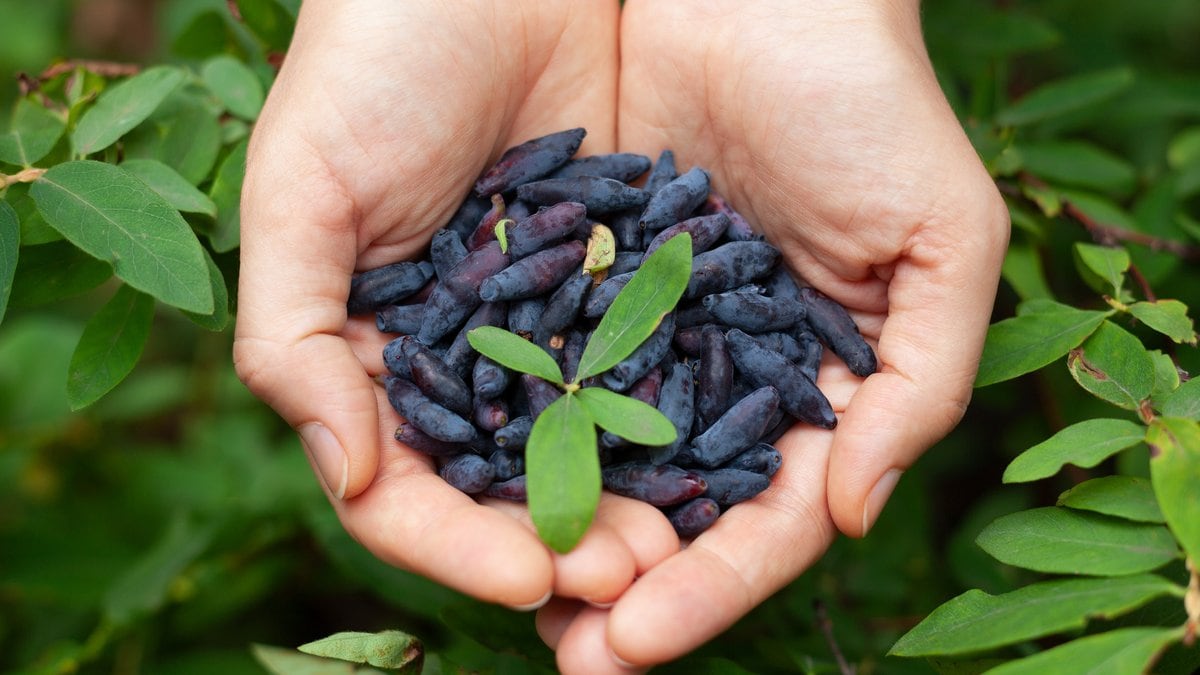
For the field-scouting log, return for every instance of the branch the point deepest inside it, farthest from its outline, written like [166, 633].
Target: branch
[23, 176]
[826, 627]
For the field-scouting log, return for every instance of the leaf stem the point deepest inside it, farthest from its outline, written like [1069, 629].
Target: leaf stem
[23, 176]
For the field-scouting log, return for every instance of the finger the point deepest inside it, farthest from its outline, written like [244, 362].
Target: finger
[583, 647]
[940, 300]
[553, 619]
[754, 549]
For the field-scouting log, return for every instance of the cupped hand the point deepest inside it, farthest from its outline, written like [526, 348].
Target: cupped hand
[382, 117]
[823, 123]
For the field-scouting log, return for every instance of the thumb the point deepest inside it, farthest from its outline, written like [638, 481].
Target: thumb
[297, 255]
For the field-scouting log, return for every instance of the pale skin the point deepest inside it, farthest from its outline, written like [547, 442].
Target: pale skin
[823, 124]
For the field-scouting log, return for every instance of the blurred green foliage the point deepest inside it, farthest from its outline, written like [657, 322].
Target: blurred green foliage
[175, 522]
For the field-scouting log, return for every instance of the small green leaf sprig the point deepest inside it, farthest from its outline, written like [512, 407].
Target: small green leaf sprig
[561, 461]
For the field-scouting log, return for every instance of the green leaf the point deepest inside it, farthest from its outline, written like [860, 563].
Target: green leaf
[226, 192]
[143, 589]
[1077, 163]
[10, 245]
[1184, 148]
[1166, 377]
[1175, 471]
[1047, 198]
[34, 229]
[235, 85]
[388, 649]
[35, 131]
[626, 417]
[1113, 365]
[1066, 95]
[1107, 263]
[563, 470]
[218, 320]
[1026, 342]
[205, 34]
[1023, 271]
[1062, 541]
[269, 21]
[184, 134]
[1127, 497]
[1169, 317]
[51, 272]
[515, 352]
[975, 620]
[1100, 208]
[124, 106]
[110, 347]
[1184, 401]
[169, 185]
[117, 218]
[281, 661]
[637, 310]
[1117, 652]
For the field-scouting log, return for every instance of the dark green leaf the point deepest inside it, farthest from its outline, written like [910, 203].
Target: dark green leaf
[270, 22]
[237, 87]
[171, 186]
[1114, 365]
[226, 192]
[1084, 444]
[639, 307]
[1023, 271]
[515, 352]
[1117, 652]
[1077, 163]
[218, 320]
[1106, 263]
[1066, 95]
[34, 132]
[51, 272]
[110, 347]
[117, 218]
[1169, 317]
[124, 106]
[1062, 541]
[1175, 471]
[280, 661]
[1184, 401]
[563, 472]
[1100, 208]
[1127, 497]
[976, 621]
[204, 36]
[388, 649]
[10, 245]
[1027, 342]
[143, 589]
[626, 417]
[498, 628]
[184, 134]
[34, 229]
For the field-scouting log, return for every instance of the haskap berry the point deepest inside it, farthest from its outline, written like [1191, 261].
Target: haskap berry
[732, 367]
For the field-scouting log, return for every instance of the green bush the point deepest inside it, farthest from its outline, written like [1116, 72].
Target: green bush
[156, 518]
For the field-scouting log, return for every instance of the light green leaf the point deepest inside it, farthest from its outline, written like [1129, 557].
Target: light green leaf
[281, 661]
[51, 272]
[1114, 365]
[143, 589]
[1117, 652]
[975, 620]
[1166, 377]
[35, 131]
[1027, 342]
[226, 192]
[1106, 263]
[117, 218]
[1086, 444]
[627, 417]
[1062, 541]
[237, 87]
[1175, 471]
[515, 352]
[388, 649]
[1184, 401]
[1169, 317]
[1077, 163]
[10, 245]
[563, 473]
[218, 320]
[184, 134]
[1066, 95]
[638, 309]
[110, 347]
[169, 185]
[124, 106]
[1125, 497]
[1184, 148]
[1023, 271]
[1047, 198]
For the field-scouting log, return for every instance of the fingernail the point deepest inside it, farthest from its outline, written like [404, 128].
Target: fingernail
[599, 605]
[878, 498]
[328, 455]
[620, 661]
[538, 604]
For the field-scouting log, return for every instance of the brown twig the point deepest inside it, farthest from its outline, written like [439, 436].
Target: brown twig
[826, 626]
[102, 68]
[23, 176]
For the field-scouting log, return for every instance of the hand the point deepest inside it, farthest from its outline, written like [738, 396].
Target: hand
[382, 117]
[824, 124]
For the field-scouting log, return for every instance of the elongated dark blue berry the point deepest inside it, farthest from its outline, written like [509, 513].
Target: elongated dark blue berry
[729, 266]
[548, 226]
[657, 484]
[434, 378]
[737, 429]
[714, 377]
[625, 261]
[732, 486]
[490, 414]
[798, 395]
[490, 379]
[662, 172]
[395, 360]
[424, 414]
[529, 161]
[540, 394]
[446, 250]
[507, 464]
[754, 313]
[627, 230]
[704, 230]
[784, 343]
[621, 376]
[460, 356]
[466, 218]
[833, 324]
[471, 474]
[781, 284]
[602, 296]
[457, 296]
[523, 316]
[405, 319]
[687, 340]
[572, 351]
[599, 195]
[420, 441]
[387, 285]
[739, 228]
[512, 489]
[676, 200]
[677, 402]
[486, 230]
[622, 166]
[760, 458]
[514, 434]
[534, 275]
[811, 353]
[563, 307]
[693, 517]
